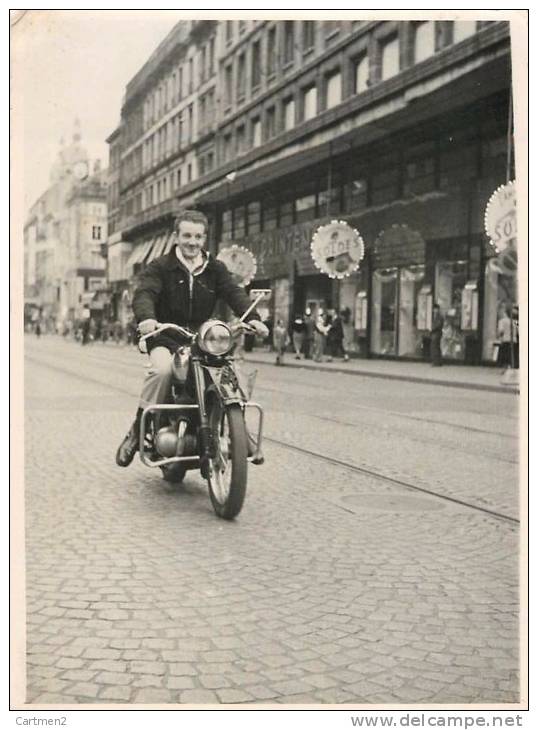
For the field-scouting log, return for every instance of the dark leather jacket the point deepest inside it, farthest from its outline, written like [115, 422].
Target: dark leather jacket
[168, 292]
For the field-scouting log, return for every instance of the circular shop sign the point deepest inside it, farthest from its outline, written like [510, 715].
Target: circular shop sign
[240, 262]
[500, 219]
[337, 249]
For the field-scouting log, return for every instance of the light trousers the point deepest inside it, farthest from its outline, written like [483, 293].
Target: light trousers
[156, 387]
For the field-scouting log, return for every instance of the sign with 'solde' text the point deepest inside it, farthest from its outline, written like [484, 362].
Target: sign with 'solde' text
[501, 219]
[337, 249]
[240, 263]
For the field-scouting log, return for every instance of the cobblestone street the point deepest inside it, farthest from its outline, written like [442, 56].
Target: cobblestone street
[331, 586]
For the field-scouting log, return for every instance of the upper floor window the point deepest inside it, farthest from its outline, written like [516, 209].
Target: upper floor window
[202, 69]
[96, 233]
[211, 69]
[256, 70]
[362, 74]
[229, 31]
[309, 28]
[289, 114]
[331, 28]
[191, 78]
[242, 26]
[271, 51]
[240, 139]
[310, 103]
[228, 86]
[256, 132]
[390, 58]
[241, 77]
[227, 147]
[334, 89]
[463, 29]
[270, 122]
[424, 41]
[289, 41]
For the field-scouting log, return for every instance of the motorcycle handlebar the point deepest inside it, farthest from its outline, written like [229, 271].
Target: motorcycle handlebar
[235, 330]
[169, 325]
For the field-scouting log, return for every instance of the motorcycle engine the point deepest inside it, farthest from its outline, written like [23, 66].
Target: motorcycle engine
[174, 441]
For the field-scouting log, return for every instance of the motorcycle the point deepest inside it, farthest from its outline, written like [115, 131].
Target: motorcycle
[204, 425]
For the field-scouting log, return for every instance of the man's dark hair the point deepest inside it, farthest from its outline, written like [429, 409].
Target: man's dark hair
[194, 216]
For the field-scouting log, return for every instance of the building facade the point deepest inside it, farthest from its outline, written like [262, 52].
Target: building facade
[400, 128]
[64, 236]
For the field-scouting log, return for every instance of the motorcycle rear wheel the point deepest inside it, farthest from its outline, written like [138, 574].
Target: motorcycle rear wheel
[227, 478]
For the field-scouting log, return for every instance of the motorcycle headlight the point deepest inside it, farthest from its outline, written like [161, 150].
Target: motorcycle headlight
[215, 337]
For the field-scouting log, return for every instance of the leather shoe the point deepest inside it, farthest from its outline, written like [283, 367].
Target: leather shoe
[128, 448]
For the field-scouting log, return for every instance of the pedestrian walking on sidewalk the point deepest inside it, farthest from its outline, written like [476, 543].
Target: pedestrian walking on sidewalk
[335, 337]
[436, 334]
[298, 329]
[321, 329]
[280, 341]
[309, 334]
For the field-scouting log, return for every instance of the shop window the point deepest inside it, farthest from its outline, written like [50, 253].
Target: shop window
[419, 169]
[500, 295]
[423, 40]
[289, 41]
[356, 193]
[362, 74]
[287, 213]
[239, 222]
[384, 300]
[256, 70]
[289, 114]
[390, 58]
[409, 335]
[385, 180]
[241, 78]
[462, 29]
[330, 200]
[305, 208]
[270, 122]
[458, 158]
[256, 132]
[450, 280]
[310, 103]
[227, 230]
[254, 217]
[334, 89]
[494, 149]
[309, 28]
[270, 215]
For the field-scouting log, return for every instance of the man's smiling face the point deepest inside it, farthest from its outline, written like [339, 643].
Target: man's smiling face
[191, 238]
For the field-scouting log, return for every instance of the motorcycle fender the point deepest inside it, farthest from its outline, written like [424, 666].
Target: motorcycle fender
[225, 393]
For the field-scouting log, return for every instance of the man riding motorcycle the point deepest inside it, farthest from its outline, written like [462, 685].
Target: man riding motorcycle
[181, 287]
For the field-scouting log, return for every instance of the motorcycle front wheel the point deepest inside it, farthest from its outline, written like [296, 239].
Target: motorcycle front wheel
[227, 474]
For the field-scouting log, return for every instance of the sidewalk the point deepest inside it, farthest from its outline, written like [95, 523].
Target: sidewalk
[457, 376]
